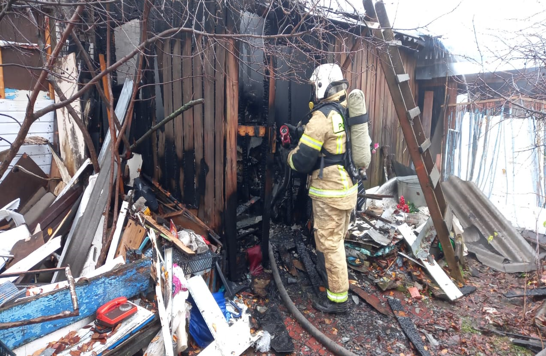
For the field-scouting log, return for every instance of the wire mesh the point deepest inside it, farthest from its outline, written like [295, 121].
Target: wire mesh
[5, 351]
[8, 291]
[195, 263]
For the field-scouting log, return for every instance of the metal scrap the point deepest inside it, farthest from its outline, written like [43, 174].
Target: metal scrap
[486, 227]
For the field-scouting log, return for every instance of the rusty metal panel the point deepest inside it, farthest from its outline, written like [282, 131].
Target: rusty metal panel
[488, 233]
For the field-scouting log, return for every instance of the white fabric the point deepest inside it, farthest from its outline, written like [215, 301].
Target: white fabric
[193, 241]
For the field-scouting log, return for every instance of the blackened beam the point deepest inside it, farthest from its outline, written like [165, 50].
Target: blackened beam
[268, 189]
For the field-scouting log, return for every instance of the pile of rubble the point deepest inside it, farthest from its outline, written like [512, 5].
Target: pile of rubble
[76, 281]
[397, 267]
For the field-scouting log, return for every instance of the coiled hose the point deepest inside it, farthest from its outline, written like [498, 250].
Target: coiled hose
[306, 324]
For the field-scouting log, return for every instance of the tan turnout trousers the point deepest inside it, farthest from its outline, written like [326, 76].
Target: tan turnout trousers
[330, 229]
[334, 195]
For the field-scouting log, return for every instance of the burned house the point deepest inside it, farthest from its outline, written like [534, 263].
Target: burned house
[144, 136]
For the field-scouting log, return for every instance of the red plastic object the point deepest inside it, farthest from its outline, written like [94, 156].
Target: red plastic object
[115, 311]
[415, 293]
[285, 135]
[254, 256]
[174, 232]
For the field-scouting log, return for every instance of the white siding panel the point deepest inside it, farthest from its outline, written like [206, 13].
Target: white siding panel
[43, 127]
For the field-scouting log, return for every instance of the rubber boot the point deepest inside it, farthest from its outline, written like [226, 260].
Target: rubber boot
[327, 306]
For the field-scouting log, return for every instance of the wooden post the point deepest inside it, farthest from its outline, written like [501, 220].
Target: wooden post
[2, 87]
[232, 114]
[105, 83]
[178, 123]
[188, 169]
[48, 51]
[266, 216]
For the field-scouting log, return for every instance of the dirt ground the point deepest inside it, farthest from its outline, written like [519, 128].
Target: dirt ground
[459, 328]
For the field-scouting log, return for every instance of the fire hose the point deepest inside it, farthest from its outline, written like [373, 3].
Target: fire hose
[306, 324]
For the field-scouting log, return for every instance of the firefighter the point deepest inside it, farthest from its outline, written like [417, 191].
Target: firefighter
[321, 152]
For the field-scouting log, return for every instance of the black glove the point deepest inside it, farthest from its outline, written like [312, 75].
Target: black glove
[284, 152]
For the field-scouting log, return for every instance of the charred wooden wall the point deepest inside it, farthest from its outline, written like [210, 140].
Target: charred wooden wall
[365, 73]
[194, 156]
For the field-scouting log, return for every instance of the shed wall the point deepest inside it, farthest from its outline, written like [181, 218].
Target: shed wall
[365, 73]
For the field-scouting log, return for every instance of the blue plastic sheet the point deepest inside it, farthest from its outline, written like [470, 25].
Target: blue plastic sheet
[198, 328]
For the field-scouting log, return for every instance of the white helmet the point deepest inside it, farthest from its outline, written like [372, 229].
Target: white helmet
[328, 80]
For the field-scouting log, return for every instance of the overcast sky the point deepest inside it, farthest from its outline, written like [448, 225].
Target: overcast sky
[453, 20]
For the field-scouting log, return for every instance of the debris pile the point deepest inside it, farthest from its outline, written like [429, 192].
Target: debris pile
[77, 278]
[397, 268]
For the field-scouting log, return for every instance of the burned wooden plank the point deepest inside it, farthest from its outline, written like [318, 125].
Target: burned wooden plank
[371, 299]
[375, 216]
[208, 165]
[179, 126]
[308, 264]
[188, 173]
[198, 128]
[528, 293]
[232, 119]
[219, 129]
[407, 326]
[243, 224]
[169, 173]
[268, 151]
[166, 233]
[158, 172]
[244, 207]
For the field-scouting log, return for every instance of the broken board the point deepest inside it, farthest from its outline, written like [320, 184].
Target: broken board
[407, 326]
[132, 238]
[370, 299]
[126, 281]
[23, 248]
[166, 233]
[442, 279]
[528, 293]
[437, 273]
[33, 258]
[378, 237]
[228, 340]
[117, 232]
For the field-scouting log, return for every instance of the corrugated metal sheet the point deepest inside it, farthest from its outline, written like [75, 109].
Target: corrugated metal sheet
[487, 232]
[43, 127]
